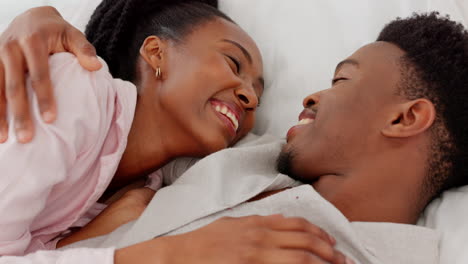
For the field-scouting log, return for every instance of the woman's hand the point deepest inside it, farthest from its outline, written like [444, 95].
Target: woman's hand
[25, 47]
[127, 208]
[252, 239]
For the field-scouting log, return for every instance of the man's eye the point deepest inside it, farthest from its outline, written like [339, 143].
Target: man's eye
[334, 81]
[236, 62]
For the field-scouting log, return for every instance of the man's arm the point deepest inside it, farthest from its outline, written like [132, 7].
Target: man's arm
[25, 47]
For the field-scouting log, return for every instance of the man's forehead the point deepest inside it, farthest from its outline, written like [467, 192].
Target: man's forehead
[376, 65]
[377, 51]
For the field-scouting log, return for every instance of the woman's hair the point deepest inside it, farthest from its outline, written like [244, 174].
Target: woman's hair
[435, 66]
[118, 28]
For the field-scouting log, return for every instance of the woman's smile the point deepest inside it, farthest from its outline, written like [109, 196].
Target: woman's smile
[229, 113]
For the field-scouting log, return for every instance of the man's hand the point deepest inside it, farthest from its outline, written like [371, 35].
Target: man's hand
[25, 47]
[252, 239]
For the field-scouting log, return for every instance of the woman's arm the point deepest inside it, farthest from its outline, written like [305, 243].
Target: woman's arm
[126, 209]
[252, 239]
[71, 256]
[25, 47]
[231, 240]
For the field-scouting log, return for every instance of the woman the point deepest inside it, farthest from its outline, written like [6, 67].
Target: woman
[198, 78]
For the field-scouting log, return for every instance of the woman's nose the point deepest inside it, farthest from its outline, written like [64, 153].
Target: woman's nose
[247, 97]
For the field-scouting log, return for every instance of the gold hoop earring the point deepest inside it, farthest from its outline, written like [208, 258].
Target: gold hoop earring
[158, 73]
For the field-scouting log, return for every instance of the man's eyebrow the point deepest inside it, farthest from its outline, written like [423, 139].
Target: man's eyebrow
[244, 51]
[347, 61]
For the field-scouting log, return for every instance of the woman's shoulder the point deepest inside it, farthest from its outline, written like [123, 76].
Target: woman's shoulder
[65, 65]
[72, 82]
[86, 100]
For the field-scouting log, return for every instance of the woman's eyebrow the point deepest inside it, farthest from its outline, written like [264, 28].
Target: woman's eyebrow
[260, 80]
[244, 51]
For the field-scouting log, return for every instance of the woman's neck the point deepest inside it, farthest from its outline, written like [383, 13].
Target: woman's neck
[148, 145]
[146, 150]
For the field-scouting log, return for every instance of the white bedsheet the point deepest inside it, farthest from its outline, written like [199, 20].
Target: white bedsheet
[217, 186]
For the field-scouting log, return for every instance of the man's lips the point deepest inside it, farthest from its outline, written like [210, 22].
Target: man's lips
[306, 117]
[307, 114]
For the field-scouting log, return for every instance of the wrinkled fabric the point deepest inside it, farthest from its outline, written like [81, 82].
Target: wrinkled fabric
[50, 183]
[222, 184]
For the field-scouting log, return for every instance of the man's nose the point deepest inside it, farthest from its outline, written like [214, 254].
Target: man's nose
[311, 100]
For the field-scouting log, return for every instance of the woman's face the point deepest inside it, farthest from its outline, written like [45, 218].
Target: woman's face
[210, 86]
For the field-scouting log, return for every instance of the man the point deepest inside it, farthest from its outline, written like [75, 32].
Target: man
[392, 125]
[379, 145]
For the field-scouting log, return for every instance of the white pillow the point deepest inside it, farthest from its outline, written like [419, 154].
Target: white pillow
[449, 215]
[303, 40]
[77, 12]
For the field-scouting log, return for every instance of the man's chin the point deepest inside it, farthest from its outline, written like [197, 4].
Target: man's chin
[284, 163]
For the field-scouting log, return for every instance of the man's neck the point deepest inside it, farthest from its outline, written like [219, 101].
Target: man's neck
[388, 190]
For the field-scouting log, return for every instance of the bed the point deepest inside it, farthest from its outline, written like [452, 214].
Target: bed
[301, 42]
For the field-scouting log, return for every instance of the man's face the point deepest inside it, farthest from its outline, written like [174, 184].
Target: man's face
[341, 126]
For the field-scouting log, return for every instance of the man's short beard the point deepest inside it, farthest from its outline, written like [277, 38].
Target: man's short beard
[284, 163]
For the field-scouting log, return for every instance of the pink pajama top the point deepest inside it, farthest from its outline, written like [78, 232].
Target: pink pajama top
[48, 184]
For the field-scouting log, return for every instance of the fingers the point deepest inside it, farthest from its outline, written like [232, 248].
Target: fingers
[76, 43]
[308, 243]
[293, 256]
[297, 234]
[13, 62]
[3, 108]
[37, 58]
[281, 223]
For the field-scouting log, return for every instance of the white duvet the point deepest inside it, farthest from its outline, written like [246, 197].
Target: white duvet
[217, 186]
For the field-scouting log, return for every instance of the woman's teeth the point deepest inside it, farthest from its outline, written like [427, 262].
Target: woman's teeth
[226, 112]
[305, 121]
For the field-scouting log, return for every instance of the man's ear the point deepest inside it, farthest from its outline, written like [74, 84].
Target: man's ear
[153, 51]
[410, 119]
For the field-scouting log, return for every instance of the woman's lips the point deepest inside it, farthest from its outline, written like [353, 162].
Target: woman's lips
[228, 114]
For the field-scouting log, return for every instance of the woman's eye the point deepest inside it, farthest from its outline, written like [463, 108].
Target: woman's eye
[236, 63]
[334, 81]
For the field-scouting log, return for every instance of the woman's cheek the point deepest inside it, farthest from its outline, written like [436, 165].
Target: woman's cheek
[247, 126]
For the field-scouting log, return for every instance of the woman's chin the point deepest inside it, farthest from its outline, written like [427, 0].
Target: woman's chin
[209, 144]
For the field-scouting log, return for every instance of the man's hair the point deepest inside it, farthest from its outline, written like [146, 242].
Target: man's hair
[118, 28]
[435, 66]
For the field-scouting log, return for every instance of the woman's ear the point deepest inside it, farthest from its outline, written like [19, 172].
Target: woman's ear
[410, 119]
[153, 51]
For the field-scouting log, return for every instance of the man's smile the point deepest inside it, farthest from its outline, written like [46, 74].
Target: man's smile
[306, 117]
